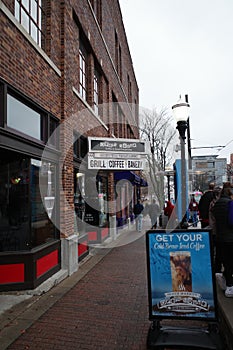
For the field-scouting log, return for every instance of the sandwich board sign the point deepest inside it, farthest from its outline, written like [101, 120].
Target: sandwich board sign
[181, 281]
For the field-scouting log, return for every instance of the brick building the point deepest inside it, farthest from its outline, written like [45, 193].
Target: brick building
[65, 66]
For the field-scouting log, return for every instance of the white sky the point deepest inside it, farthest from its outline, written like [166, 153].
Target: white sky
[186, 47]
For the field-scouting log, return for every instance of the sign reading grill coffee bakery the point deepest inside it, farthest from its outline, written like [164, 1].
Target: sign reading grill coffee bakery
[116, 154]
[115, 164]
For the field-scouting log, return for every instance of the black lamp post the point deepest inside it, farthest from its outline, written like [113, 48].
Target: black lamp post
[181, 114]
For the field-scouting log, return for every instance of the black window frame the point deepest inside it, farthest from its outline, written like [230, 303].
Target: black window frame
[80, 146]
[45, 117]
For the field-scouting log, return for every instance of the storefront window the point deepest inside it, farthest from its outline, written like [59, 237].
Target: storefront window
[23, 118]
[42, 209]
[24, 221]
[96, 200]
[14, 202]
[79, 200]
[102, 196]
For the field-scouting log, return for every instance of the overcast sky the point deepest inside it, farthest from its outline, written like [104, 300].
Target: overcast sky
[186, 47]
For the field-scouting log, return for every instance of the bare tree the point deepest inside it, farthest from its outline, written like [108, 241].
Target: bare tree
[157, 128]
[230, 172]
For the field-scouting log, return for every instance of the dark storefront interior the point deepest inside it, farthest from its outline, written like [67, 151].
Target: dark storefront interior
[24, 221]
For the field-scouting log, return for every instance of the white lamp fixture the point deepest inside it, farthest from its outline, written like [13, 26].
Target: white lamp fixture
[181, 114]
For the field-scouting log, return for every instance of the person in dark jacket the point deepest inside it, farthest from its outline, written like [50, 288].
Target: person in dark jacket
[138, 209]
[204, 204]
[193, 208]
[153, 213]
[224, 239]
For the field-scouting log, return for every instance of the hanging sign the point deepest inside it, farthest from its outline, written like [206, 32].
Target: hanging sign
[180, 275]
[116, 145]
[115, 164]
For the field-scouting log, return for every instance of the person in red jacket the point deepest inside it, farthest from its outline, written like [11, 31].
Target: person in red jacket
[168, 209]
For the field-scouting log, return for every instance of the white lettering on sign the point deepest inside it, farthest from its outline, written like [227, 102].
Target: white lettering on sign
[181, 237]
[185, 241]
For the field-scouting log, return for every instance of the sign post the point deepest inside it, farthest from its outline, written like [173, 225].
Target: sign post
[181, 286]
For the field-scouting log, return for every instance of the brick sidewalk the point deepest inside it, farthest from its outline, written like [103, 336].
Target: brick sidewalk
[106, 309]
[104, 305]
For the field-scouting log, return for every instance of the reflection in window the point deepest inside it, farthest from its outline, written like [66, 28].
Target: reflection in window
[79, 200]
[24, 221]
[30, 14]
[14, 202]
[79, 146]
[53, 136]
[42, 183]
[23, 118]
[102, 184]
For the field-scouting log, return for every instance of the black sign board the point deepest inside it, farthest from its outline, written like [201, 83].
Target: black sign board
[117, 145]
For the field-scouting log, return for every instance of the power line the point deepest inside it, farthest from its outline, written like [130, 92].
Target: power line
[209, 146]
[220, 146]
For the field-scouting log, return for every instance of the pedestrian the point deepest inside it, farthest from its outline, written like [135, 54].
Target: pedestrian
[193, 208]
[138, 209]
[224, 238]
[204, 204]
[146, 209]
[168, 209]
[153, 213]
[212, 225]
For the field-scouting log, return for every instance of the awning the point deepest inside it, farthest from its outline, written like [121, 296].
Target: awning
[143, 183]
[128, 175]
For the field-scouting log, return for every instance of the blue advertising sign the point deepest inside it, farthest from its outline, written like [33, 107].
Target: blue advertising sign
[180, 275]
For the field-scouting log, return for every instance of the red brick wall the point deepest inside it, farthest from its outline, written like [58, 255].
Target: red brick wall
[28, 71]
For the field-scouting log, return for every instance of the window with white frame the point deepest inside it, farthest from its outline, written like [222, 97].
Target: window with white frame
[83, 72]
[30, 15]
[96, 92]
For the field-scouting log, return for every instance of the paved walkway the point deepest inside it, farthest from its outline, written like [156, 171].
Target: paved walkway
[105, 309]
[104, 305]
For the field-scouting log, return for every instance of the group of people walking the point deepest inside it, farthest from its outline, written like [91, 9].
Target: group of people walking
[152, 209]
[216, 212]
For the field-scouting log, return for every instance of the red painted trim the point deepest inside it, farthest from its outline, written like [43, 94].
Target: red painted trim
[12, 273]
[46, 263]
[92, 236]
[82, 248]
[104, 232]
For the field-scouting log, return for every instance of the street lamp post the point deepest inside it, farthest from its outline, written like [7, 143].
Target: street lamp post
[181, 114]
